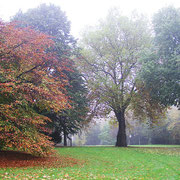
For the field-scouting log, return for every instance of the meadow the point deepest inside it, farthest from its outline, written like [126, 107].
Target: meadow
[133, 162]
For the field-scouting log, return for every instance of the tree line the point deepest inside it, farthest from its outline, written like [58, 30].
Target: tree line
[51, 86]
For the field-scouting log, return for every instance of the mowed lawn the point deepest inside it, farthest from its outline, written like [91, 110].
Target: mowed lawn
[145, 162]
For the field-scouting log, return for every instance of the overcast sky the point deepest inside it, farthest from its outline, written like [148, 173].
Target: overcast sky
[86, 12]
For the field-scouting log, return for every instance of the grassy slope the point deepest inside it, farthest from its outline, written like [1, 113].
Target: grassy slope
[109, 163]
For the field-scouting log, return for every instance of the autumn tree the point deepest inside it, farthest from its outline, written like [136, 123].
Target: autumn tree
[111, 63]
[51, 20]
[27, 80]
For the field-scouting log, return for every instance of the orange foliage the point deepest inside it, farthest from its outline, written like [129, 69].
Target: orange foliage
[27, 78]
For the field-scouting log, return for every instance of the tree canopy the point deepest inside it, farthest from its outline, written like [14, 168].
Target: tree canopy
[27, 80]
[51, 20]
[111, 63]
[161, 68]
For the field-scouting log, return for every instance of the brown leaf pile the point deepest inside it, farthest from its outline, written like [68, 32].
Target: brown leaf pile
[11, 159]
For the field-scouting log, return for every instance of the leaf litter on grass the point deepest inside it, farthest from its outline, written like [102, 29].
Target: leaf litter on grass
[13, 159]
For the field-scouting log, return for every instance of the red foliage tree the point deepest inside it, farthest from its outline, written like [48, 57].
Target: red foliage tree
[27, 79]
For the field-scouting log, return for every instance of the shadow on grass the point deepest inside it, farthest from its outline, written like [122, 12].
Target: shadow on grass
[11, 159]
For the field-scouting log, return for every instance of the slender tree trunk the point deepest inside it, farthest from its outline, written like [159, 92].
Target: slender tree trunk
[149, 140]
[139, 140]
[70, 142]
[129, 141]
[65, 139]
[121, 136]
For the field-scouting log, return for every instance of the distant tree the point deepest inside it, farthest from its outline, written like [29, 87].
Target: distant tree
[107, 136]
[174, 124]
[26, 81]
[79, 139]
[161, 68]
[51, 20]
[111, 63]
[166, 131]
[92, 135]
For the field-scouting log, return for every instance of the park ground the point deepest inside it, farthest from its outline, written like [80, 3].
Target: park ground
[134, 162]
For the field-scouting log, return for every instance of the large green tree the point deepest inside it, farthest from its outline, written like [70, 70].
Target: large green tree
[111, 62]
[71, 121]
[51, 20]
[161, 68]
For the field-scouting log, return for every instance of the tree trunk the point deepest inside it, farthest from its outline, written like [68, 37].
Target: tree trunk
[121, 136]
[139, 140]
[129, 140]
[149, 140]
[65, 139]
[70, 142]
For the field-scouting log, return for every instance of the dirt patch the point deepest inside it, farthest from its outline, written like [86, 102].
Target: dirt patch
[9, 159]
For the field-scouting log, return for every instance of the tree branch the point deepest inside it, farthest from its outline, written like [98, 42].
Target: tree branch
[28, 71]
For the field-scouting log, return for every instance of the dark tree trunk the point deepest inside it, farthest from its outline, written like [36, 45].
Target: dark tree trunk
[121, 136]
[70, 140]
[65, 139]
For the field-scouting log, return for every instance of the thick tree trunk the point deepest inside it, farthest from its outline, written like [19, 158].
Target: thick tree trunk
[121, 136]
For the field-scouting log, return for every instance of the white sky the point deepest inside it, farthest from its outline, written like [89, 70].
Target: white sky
[86, 12]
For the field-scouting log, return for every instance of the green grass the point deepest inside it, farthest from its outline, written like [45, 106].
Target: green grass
[162, 162]
[155, 145]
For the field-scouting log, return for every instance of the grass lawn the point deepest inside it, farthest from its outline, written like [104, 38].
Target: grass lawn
[160, 162]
